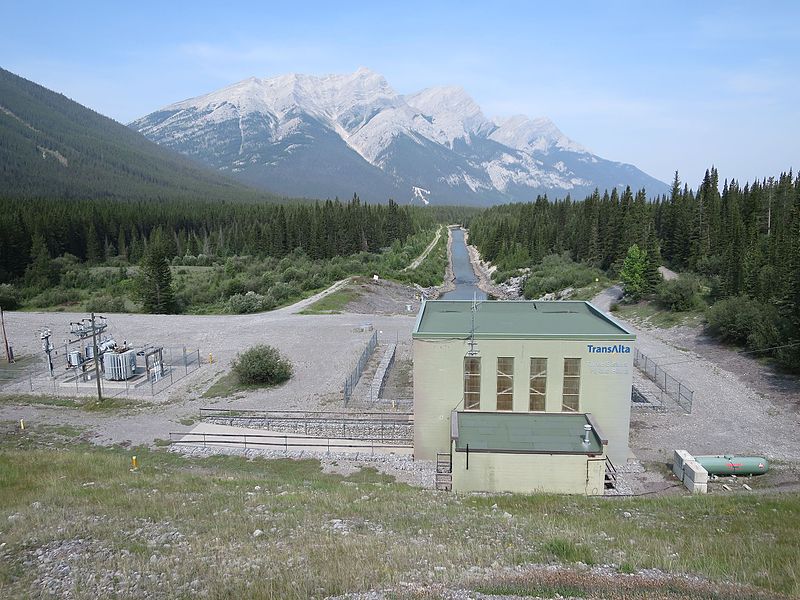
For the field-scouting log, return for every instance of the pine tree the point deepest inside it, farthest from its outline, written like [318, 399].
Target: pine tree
[155, 280]
[652, 275]
[40, 273]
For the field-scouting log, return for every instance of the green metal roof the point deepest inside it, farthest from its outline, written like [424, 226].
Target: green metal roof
[546, 433]
[517, 319]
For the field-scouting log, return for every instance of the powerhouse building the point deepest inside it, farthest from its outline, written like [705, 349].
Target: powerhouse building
[522, 396]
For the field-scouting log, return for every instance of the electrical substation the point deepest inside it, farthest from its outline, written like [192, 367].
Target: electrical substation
[91, 352]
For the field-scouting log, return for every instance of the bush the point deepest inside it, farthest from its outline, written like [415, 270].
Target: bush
[282, 292]
[55, 297]
[261, 365]
[743, 320]
[680, 294]
[241, 304]
[108, 304]
[557, 272]
[9, 297]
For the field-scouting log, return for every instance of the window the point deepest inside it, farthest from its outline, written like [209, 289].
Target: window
[538, 384]
[505, 383]
[572, 385]
[472, 382]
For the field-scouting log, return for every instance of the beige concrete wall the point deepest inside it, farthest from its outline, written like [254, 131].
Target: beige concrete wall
[438, 386]
[526, 473]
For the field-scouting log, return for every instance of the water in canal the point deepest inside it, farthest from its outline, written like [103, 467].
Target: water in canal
[465, 279]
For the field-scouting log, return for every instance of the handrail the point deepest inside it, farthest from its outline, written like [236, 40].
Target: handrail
[303, 442]
[284, 435]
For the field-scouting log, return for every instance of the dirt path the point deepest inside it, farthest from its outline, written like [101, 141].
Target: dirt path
[607, 297]
[418, 261]
[300, 305]
[728, 414]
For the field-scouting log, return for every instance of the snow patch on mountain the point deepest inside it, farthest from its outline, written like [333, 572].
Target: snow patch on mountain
[437, 139]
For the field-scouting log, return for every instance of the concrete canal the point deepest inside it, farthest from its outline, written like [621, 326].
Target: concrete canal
[466, 281]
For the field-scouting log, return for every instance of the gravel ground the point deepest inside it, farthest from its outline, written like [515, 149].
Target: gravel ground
[322, 348]
[383, 297]
[740, 406]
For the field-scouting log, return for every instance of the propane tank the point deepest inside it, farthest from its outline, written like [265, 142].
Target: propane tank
[725, 464]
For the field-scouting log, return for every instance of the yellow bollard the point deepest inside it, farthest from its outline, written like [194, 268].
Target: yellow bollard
[210, 359]
[134, 464]
[21, 425]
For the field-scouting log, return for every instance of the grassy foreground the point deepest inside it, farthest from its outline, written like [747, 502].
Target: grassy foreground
[74, 519]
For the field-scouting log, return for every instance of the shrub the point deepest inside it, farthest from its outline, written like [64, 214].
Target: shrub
[680, 294]
[54, 297]
[261, 365]
[282, 292]
[742, 320]
[105, 304]
[234, 286]
[557, 272]
[9, 297]
[241, 304]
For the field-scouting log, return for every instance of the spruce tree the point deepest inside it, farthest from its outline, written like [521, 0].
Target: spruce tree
[155, 280]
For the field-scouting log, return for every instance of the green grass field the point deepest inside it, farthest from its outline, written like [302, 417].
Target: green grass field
[181, 527]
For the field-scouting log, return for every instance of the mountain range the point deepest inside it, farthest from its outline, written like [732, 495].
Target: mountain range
[336, 135]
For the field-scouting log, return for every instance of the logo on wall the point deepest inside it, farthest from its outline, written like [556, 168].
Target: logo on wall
[615, 349]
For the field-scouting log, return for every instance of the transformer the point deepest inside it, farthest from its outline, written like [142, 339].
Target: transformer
[119, 366]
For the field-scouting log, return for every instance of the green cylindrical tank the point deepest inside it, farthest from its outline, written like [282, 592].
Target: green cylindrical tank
[733, 465]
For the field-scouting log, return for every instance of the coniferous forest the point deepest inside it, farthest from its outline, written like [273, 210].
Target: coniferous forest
[226, 256]
[96, 230]
[739, 246]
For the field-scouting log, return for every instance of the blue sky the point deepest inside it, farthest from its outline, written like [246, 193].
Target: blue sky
[667, 86]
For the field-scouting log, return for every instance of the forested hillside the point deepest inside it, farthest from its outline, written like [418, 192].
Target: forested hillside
[225, 257]
[742, 241]
[52, 147]
[96, 231]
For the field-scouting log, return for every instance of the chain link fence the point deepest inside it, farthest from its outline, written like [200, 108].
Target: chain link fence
[674, 388]
[32, 375]
[352, 379]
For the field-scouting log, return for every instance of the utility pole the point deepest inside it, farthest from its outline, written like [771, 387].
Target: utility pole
[5, 339]
[96, 361]
[48, 348]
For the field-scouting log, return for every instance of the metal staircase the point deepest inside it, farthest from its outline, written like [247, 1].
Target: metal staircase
[611, 475]
[444, 471]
